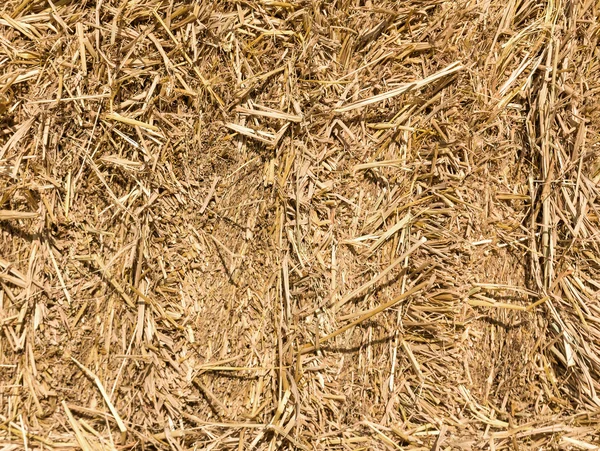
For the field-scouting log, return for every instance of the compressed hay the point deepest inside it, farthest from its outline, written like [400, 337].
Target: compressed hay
[299, 224]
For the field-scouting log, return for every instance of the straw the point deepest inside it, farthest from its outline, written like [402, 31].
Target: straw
[280, 225]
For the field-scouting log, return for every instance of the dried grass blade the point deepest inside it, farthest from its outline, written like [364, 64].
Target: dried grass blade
[451, 69]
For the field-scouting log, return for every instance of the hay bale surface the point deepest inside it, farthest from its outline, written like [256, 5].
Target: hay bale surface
[261, 225]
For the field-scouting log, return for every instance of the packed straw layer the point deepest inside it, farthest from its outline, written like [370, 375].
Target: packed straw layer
[314, 225]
